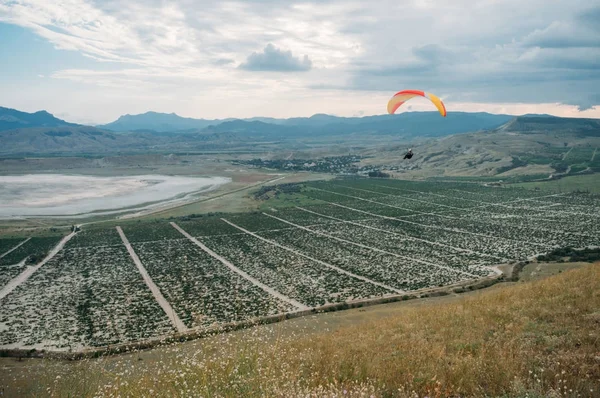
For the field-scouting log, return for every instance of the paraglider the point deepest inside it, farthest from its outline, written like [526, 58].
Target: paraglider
[402, 96]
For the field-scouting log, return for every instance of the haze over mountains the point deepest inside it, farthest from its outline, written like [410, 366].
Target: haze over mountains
[24, 133]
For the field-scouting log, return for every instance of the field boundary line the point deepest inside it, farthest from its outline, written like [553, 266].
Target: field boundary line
[482, 204]
[298, 253]
[23, 276]
[162, 301]
[488, 204]
[15, 248]
[474, 208]
[373, 248]
[417, 212]
[238, 271]
[594, 154]
[403, 197]
[402, 235]
[455, 230]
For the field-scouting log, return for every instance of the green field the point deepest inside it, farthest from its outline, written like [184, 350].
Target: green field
[585, 183]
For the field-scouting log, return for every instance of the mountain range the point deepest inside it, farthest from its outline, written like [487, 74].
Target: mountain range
[428, 123]
[14, 119]
[26, 134]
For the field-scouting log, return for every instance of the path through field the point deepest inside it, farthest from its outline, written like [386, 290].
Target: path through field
[153, 288]
[238, 271]
[405, 236]
[373, 248]
[13, 284]
[15, 248]
[314, 259]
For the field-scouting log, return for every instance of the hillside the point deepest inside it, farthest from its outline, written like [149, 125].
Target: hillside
[67, 139]
[532, 339]
[462, 144]
[541, 146]
[551, 124]
[13, 119]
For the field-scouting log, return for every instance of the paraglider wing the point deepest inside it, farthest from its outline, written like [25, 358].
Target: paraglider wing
[402, 96]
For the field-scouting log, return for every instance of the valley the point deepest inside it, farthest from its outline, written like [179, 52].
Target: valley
[344, 241]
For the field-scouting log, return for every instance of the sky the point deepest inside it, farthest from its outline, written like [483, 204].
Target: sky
[90, 61]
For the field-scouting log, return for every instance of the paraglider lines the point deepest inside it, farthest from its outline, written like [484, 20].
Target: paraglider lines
[402, 235]
[162, 301]
[296, 252]
[372, 248]
[238, 271]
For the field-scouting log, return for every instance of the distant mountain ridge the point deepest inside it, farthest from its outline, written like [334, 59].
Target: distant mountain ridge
[159, 122]
[42, 133]
[14, 119]
[412, 123]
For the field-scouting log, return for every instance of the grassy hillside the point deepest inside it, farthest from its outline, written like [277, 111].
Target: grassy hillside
[505, 152]
[535, 339]
[585, 183]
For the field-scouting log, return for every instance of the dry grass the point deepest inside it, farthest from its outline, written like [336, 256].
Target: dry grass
[538, 338]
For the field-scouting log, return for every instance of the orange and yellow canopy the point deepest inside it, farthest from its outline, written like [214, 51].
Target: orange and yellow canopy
[402, 96]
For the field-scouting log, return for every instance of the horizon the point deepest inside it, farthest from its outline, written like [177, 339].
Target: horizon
[295, 117]
[91, 63]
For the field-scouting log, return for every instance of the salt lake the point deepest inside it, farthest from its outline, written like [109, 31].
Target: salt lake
[79, 195]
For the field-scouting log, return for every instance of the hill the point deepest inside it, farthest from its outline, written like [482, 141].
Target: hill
[159, 122]
[525, 145]
[13, 119]
[462, 144]
[68, 139]
[534, 339]
[549, 124]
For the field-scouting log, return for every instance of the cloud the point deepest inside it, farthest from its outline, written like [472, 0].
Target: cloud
[561, 34]
[275, 60]
[195, 53]
[551, 57]
[223, 61]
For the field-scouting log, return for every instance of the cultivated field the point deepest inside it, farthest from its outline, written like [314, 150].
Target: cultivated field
[352, 239]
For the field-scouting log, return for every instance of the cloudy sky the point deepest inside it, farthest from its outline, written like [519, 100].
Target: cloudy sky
[90, 61]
